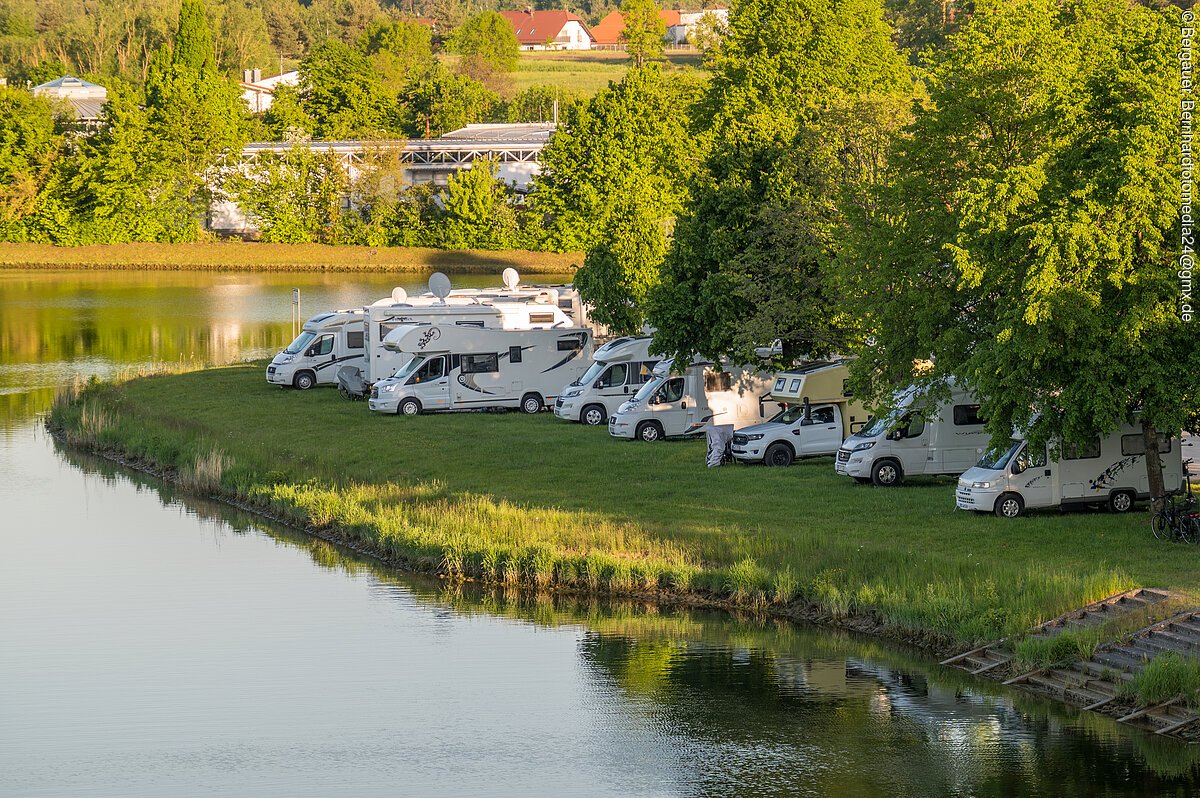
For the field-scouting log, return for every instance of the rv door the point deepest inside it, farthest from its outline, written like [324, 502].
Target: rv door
[431, 384]
[1033, 476]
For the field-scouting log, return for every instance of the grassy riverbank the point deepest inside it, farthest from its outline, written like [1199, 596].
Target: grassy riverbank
[256, 256]
[530, 500]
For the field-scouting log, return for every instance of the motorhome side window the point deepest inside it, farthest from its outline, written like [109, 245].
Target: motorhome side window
[779, 383]
[568, 344]
[718, 381]
[431, 370]
[1135, 444]
[354, 340]
[477, 323]
[967, 416]
[1073, 452]
[672, 391]
[912, 426]
[614, 376]
[514, 354]
[846, 389]
[480, 364]
[541, 318]
[795, 386]
[323, 346]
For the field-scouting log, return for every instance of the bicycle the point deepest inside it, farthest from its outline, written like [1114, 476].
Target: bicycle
[1178, 520]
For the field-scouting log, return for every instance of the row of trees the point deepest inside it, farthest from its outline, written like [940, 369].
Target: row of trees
[1012, 216]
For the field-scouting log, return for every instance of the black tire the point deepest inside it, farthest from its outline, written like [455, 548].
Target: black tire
[1160, 526]
[779, 454]
[532, 404]
[408, 407]
[887, 473]
[304, 380]
[1121, 501]
[649, 431]
[1009, 505]
[593, 415]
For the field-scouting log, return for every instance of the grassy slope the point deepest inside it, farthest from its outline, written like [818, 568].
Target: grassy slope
[253, 256]
[584, 72]
[518, 498]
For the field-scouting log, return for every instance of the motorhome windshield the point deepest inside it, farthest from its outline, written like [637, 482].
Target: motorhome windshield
[302, 340]
[997, 458]
[649, 389]
[789, 415]
[591, 374]
[409, 367]
[876, 426]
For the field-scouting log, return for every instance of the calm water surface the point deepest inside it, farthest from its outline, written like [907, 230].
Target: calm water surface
[155, 644]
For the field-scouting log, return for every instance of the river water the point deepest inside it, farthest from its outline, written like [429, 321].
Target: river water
[156, 644]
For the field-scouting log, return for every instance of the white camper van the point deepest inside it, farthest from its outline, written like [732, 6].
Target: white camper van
[1109, 471]
[674, 405]
[916, 440]
[456, 367]
[327, 342]
[384, 358]
[817, 415]
[618, 370]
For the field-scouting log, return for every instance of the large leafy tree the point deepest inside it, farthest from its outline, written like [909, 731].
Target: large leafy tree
[344, 95]
[764, 214]
[630, 137]
[401, 52]
[30, 144]
[442, 101]
[1031, 230]
[293, 198]
[490, 38]
[644, 31]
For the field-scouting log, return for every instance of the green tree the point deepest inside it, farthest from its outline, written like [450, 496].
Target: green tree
[536, 104]
[344, 95]
[193, 39]
[631, 136]
[401, 52]
[293, 198]
[29, 146]
[771, 117]
[490, 38]
[286, 119]
[443, 101]
[644, 31]
[1030, 235]
[620, 271]
[479, 212]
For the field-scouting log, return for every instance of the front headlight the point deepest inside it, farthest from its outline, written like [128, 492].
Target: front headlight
[981, 485]
[862, 446]
[388, 388]
[755, 437]
[286, 359]
[571, 394]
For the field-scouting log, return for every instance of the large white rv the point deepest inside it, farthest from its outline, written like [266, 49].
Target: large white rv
[816, 416]
[385, 357]
[327, 342]
[618, 370]
[1108, 471]
[675, 405]
[457, 367]
[916, 439]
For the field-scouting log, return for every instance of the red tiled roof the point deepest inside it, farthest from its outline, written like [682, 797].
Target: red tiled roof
[609, 29]
[538, 27]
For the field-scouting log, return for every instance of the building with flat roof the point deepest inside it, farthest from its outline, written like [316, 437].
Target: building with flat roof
[85, 99]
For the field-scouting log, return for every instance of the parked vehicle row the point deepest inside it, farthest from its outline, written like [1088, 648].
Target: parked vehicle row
[520, 348]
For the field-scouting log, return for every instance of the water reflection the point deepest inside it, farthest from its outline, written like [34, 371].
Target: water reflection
[753, 706]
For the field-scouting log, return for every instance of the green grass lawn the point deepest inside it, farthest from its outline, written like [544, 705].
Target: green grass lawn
[585, 72]
[534, 500]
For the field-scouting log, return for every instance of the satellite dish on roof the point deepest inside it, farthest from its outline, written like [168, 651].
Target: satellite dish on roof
[399, 295]
[439, 286]
[511, 278]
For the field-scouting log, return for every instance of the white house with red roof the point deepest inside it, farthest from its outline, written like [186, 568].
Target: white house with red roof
[549, 30]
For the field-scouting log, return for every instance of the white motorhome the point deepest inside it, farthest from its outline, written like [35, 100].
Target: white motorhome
[1109, 471]
[385, 358]
[816, 416]
[915, 440]
[457, 367]
[618, 370]
[675, 405]
[327, 342]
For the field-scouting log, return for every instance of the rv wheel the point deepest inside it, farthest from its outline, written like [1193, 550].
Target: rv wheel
[1010, 505]
[304, 380]
[531, 403]
[886, 473]
[593, 415]
[409, 407]
[649, 431]
[1120, 502]
[778, 454]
